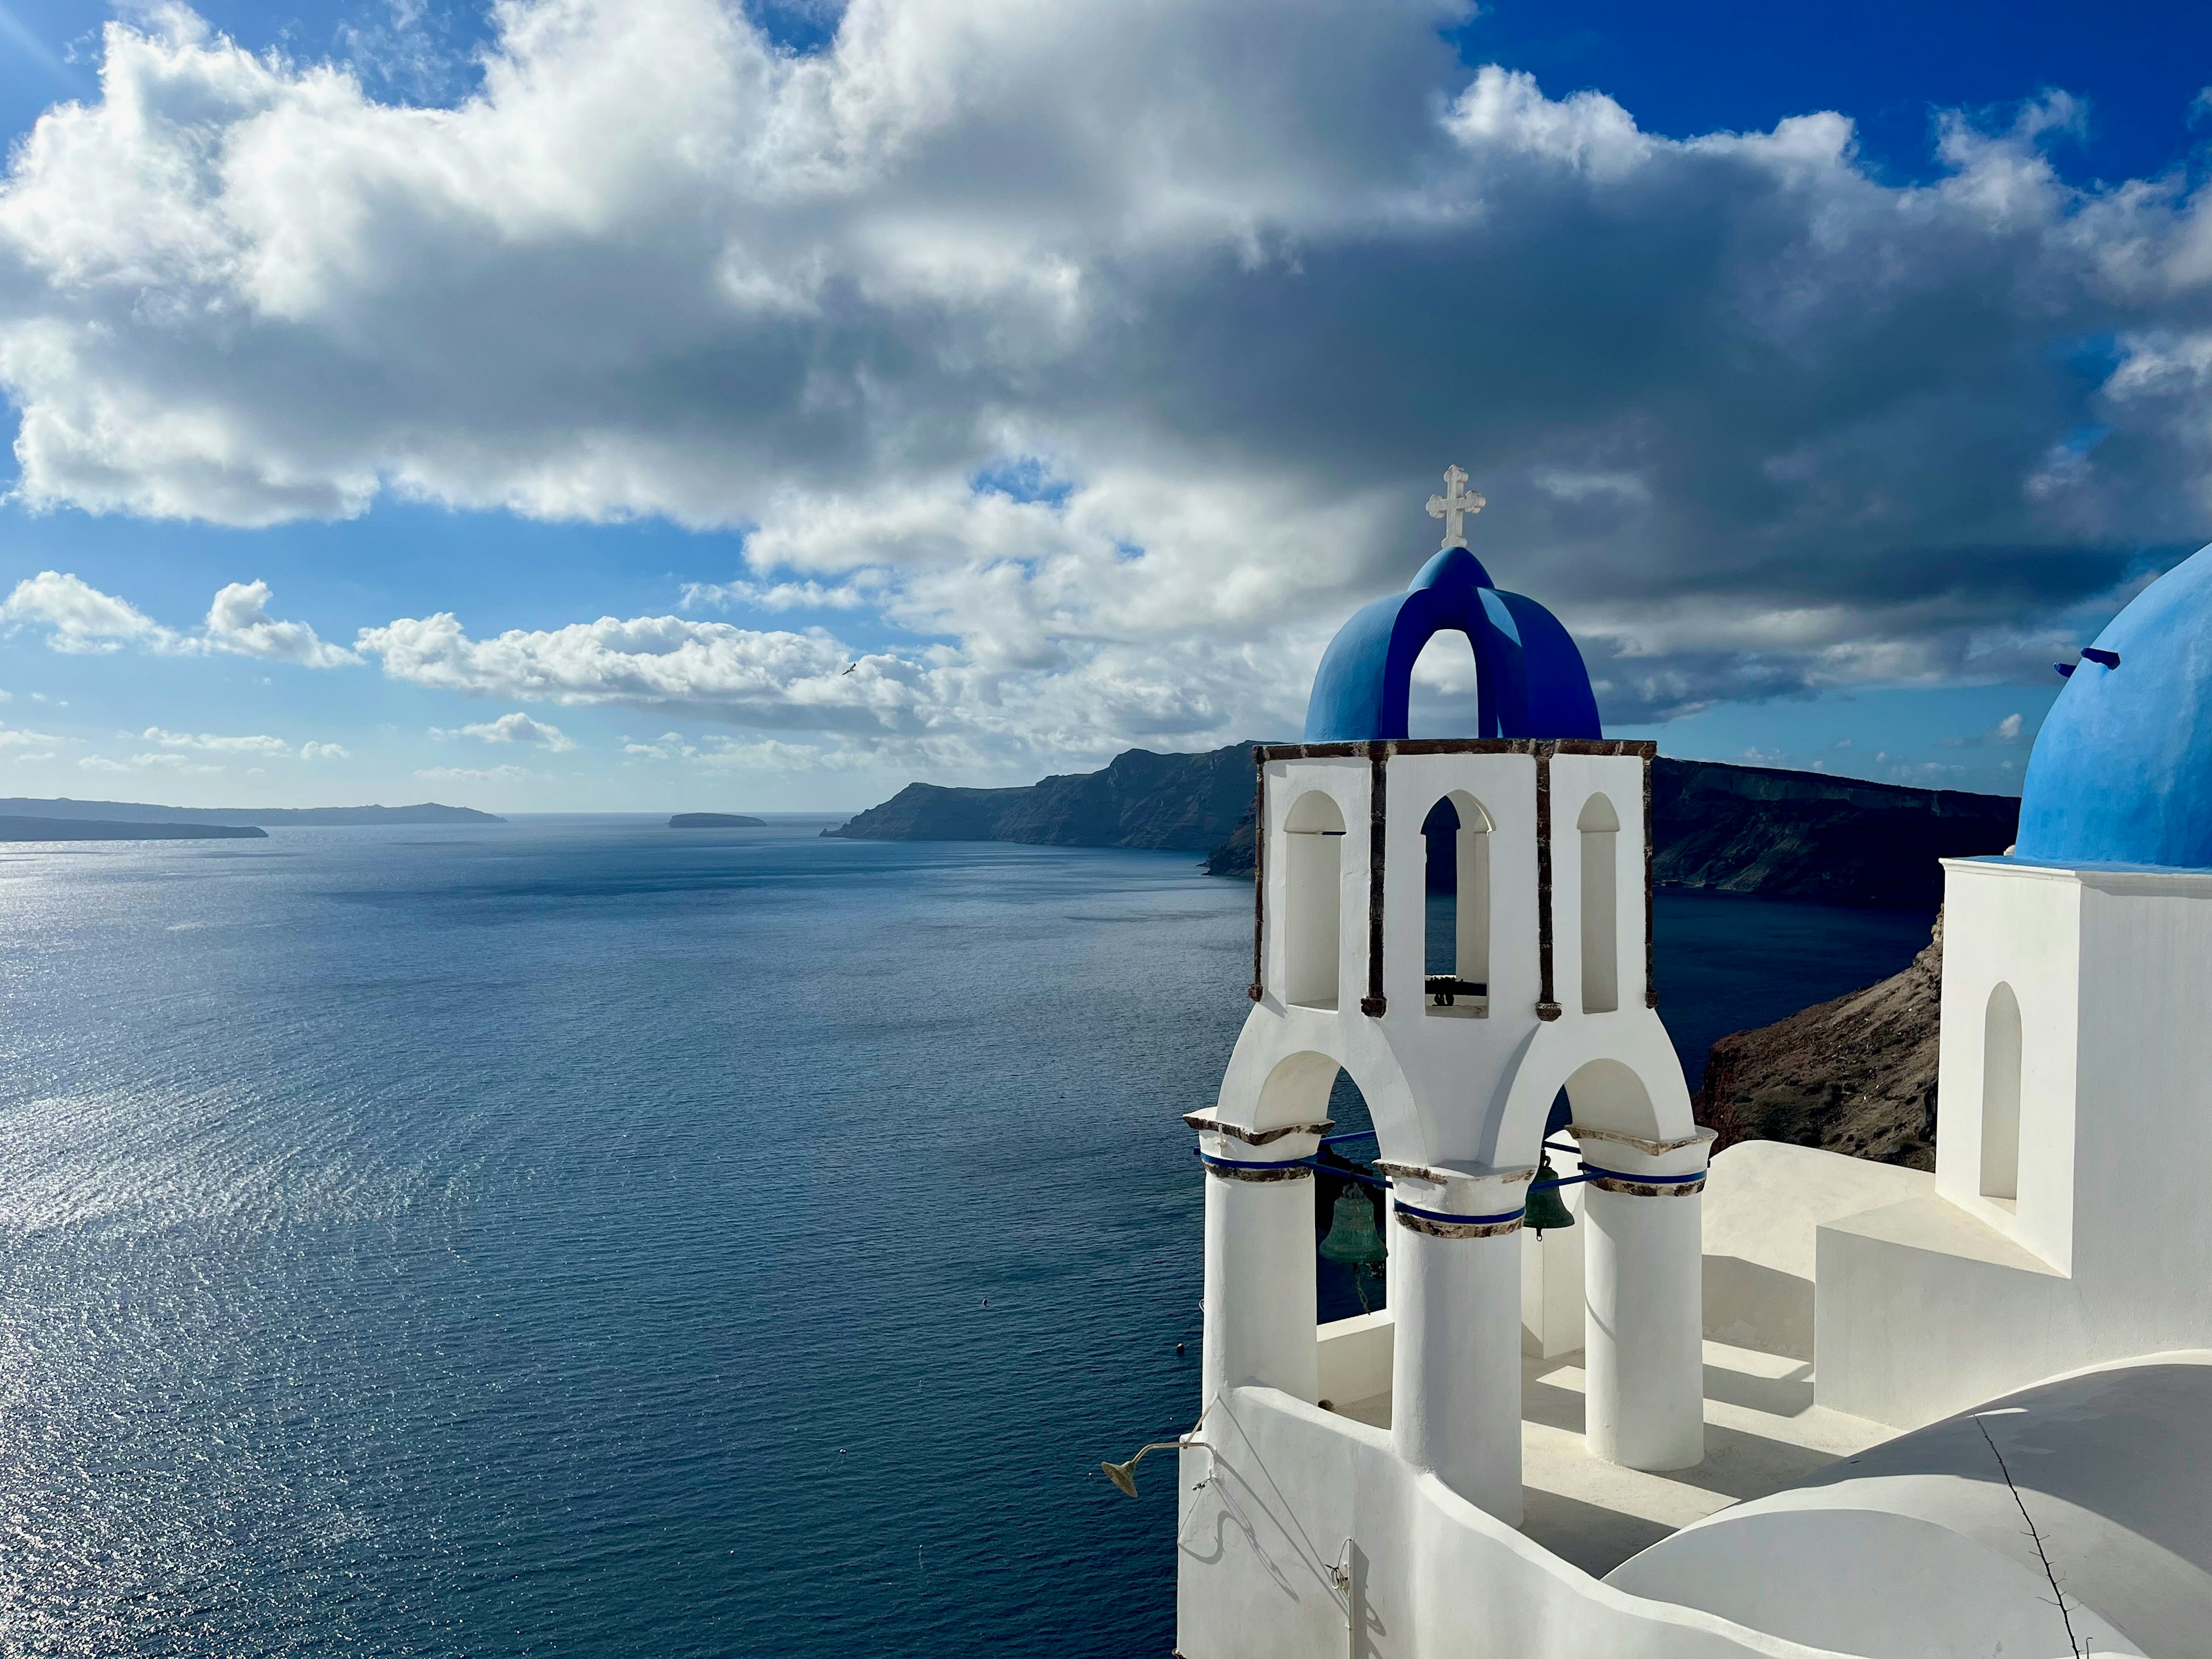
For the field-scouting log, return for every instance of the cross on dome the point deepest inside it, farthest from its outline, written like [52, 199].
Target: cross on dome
[1454, 505]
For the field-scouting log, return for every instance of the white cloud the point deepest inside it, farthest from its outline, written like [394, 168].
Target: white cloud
[17, 745]
[310, 751]
[1106, 351]
[239, 622]
[731, 754]
[168, 761]
[214, 744]
[476, 775]
[517, 727]
[80, 619]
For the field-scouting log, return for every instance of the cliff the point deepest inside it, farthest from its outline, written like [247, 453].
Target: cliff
[1179, 803]
[1801, 835]
[1856, 1075]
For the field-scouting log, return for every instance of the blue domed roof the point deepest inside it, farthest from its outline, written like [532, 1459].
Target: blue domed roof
[2122, 770]
[1530, 677]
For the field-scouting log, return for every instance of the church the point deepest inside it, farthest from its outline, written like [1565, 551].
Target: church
[1629, 1397]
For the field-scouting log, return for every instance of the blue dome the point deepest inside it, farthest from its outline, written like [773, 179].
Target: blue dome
[2122, 770]
[1530, 679]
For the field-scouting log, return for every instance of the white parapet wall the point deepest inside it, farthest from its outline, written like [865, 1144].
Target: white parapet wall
[1307, 1538]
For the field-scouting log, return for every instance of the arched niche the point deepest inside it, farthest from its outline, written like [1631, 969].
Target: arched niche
[1457, 945]
[2000, 1039]
[1313, 899]
[1600, 828]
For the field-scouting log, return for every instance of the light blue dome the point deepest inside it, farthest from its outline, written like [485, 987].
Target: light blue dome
[2122, 770]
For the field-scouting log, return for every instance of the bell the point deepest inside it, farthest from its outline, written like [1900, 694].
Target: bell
[1546, 1208]
[1351, 1234]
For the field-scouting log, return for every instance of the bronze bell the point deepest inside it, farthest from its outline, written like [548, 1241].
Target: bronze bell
[1546, 1208]
[1351, 1234]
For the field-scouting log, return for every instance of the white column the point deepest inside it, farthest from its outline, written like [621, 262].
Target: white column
[1455, 1298]
[1258, 1325]
[1644, 1289]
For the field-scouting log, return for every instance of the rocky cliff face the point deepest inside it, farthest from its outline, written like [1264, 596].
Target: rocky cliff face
[1856, 1075]
[1187, 803]
[1799, 834]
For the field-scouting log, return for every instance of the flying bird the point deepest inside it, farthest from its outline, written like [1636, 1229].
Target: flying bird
[848, 671]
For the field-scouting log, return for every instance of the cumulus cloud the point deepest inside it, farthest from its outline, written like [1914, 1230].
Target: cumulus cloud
[2010, 733]
[1109, 352]
[18, 744]
[517, 727]
[239, 622]
[79, 618]
[214, 744]
[168, 761]
[313, 751]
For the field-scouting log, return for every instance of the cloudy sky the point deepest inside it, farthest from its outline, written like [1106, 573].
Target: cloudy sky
[651, 404]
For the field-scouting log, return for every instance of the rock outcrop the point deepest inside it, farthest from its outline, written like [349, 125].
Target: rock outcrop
[1179, 803]
[1801, 835]
[1856, 1075]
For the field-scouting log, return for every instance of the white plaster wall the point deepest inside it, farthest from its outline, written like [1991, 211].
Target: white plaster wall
[1575, 779]
[1927, 1306]
[1352, 1357]
[2018, 924]
[1346, 782]
[1296, 1490]
[1765, 1203]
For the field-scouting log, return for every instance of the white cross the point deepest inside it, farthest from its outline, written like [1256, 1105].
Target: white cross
[1454, 505]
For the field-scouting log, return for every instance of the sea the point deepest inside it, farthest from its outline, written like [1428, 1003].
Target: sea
[576, 1236]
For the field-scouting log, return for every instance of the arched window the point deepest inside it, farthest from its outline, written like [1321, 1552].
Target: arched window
[2001, 1096]
[1457, 961]
[1600, 830]
[1313, 870]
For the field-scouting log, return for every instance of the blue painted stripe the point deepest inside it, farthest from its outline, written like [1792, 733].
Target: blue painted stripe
[1592, 1172]
[1460, 1220]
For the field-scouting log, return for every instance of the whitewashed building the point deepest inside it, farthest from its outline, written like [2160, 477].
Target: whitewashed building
[1790, 1403]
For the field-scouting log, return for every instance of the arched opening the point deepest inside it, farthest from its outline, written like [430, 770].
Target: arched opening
[1442, 696]
[1605, 1094]
[1313, 872]
[1350, 1274]
[1457, 951]
[1600, 883]
[2001, 1096]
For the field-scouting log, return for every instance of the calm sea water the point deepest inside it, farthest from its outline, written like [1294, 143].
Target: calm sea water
[580, 1237]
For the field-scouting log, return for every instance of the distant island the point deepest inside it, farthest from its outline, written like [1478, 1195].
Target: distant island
[1733, 829]
[715, 821]
[136, 812]
[37, 828]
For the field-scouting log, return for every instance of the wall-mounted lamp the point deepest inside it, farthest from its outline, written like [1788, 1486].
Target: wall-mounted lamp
[1124, 1475]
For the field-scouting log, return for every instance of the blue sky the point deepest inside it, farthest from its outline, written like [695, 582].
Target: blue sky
[545, 409]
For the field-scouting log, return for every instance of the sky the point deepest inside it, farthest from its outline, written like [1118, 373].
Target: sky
[674, 404]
